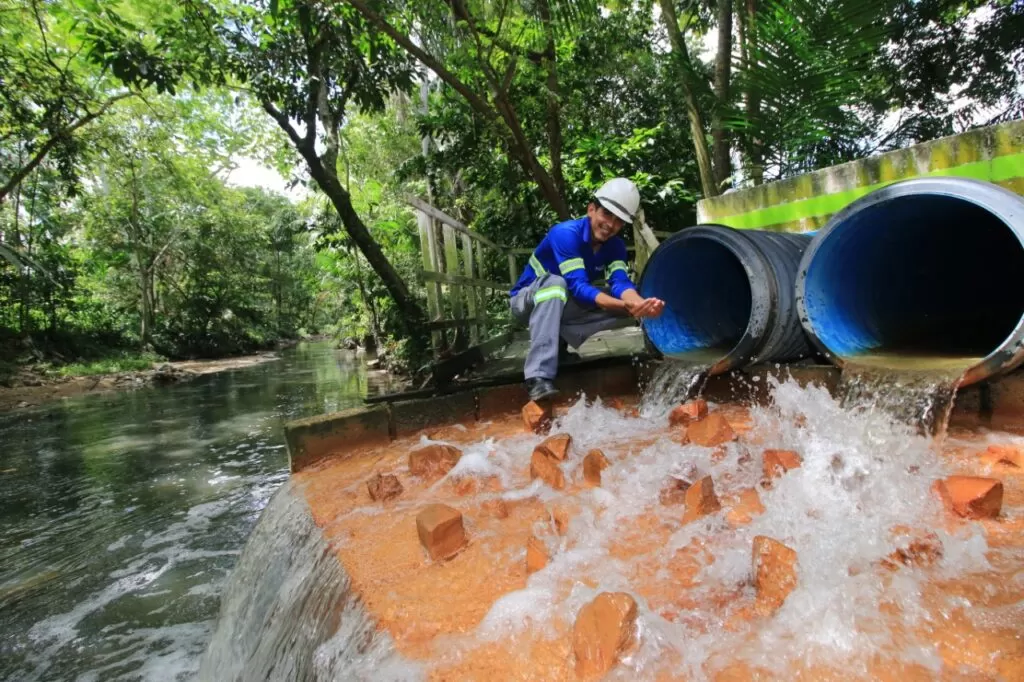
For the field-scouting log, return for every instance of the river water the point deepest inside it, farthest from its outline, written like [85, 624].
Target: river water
[121, 515]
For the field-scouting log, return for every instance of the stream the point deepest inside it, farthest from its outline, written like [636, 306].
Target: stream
[123, 514]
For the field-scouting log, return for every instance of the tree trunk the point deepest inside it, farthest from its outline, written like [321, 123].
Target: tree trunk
[754, 150]
[723, 72]
[682, 58]
[554, 100]
[359, 233]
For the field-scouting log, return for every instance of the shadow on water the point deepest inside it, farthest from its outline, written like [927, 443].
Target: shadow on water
[122, 514]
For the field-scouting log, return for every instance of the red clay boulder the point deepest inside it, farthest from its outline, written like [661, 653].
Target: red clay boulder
[745, 507]
[916, 548]
[701, 500]
[546, 469]
[433, 460]
[777, 462]
[1007, 455]
[384, 487]
[593, 464]
[687, 412]
[441, 531]
[774, 567]
[711, 431]
[556, 446]
[972, 497]
[604, 631]
[536, 417]
[536, 555]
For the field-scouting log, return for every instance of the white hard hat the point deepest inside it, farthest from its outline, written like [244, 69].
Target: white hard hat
[621, 197]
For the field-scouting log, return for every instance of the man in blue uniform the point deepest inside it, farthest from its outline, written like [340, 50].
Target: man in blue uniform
[555, 296]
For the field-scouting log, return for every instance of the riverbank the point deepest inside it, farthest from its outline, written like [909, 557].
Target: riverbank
[30, 388]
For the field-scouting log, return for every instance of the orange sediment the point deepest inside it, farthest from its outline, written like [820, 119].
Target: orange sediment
[433, 610]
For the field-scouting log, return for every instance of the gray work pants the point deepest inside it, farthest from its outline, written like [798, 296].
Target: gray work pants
[550, 311]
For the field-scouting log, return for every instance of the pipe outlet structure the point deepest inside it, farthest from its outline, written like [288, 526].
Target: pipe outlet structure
[925, 273]
[729, 296]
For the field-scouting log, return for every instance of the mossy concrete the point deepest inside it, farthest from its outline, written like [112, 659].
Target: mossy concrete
[806, 202]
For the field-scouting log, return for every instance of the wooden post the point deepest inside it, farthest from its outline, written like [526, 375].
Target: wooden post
[482, 295]
[451, 260]
[513, 273]
[471, 289]
[428, 249]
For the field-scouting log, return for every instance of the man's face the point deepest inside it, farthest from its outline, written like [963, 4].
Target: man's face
[603, 223]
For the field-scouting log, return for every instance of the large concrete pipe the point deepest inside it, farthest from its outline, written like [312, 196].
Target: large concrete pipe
[925, 274]
[728, 296]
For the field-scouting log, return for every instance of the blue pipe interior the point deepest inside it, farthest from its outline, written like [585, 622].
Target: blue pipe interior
[706, 294]
[923, 275]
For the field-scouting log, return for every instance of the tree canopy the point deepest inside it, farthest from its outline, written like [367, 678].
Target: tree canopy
[119, 122]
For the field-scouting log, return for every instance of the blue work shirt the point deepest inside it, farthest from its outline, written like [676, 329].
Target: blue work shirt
[566, 251]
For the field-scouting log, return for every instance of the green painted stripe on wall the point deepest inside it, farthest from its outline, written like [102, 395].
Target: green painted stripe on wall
[998, 169]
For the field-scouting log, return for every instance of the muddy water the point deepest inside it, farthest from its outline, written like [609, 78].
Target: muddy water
[121, 515]
[862, 493]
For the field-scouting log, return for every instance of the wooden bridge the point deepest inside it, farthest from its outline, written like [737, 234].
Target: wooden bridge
[473, 336]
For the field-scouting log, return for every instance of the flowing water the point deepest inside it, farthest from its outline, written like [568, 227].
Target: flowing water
[915, 390]
[862, 494]
[122, 514]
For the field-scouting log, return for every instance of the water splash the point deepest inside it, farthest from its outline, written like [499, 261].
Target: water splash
[288, 612]
[920, 397]
[673, 382]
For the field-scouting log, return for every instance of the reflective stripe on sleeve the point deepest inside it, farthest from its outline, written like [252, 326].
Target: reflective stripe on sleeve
[538, 269]
[572, 264]
[616, 265]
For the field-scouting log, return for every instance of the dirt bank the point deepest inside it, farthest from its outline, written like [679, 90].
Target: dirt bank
[30, 389]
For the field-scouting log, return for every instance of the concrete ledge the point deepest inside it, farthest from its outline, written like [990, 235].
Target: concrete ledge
[999, 403]
[410, 416]
[314, 439]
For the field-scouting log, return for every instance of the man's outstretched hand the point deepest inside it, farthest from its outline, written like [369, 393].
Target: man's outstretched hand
[645, 307]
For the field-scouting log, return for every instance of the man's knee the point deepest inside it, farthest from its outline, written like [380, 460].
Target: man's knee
[553, 288]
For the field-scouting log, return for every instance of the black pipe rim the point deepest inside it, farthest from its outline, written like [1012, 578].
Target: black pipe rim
[1002, 203]
[762, 298]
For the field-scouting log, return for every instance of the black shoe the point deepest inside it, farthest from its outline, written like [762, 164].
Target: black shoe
[566, 356]
[540, 388]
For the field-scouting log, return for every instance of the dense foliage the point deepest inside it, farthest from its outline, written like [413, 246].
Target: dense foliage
[119, 122]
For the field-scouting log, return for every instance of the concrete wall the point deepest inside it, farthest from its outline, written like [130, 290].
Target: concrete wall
[805, 203]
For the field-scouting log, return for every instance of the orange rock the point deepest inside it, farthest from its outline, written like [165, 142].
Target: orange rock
[711, 431]
[921, 551]
[537, 418]
[1003, 454]
[471, 485]
[778, 462]
[687, 412]
[603, 632]
[633, 412]
[547, 469]
[433, 460]
[972, 497]
[496, 508]
[774, 567]
[561, 515]
[593, 464]
[441, 531]
[557, 446]
[682, 435]
[673, 491]
[383, 487]
[701, 500]
[747, 506]
[536, 555]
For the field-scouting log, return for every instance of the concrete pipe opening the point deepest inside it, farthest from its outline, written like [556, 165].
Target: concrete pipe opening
[922, 274]
[728, 297]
